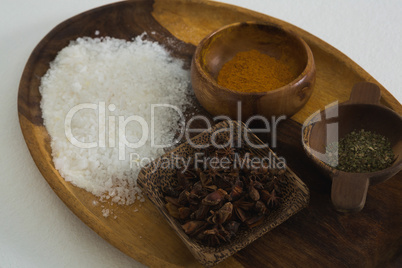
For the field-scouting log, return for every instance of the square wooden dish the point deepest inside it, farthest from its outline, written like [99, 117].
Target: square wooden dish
[154, 177]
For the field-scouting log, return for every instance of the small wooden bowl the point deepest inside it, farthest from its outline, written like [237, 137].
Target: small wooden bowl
[362, 111]
[153, 178]
[222, 45]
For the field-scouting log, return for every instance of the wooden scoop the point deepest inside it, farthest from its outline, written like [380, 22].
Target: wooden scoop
[362, 111]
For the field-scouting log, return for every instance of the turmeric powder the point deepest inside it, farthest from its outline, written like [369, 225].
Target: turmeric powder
[253, 71]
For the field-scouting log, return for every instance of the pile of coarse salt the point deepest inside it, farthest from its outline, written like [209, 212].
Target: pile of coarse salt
[111, 79]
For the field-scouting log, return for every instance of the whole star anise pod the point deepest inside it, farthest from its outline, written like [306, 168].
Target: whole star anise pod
[213, 203]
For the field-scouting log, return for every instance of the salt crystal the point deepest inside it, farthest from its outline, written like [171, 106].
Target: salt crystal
[123, 75]
[105, 213]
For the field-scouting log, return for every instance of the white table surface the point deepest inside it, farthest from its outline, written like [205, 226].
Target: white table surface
[36, 228]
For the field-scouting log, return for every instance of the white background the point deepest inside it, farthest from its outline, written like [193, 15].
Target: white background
[36, 228]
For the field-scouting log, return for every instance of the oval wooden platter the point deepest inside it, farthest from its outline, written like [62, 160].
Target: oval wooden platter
[317, 236]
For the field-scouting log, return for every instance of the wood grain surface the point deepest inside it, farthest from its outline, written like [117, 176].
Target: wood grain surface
[316, 236]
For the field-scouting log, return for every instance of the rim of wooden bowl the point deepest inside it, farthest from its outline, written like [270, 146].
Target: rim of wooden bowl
[307, 69]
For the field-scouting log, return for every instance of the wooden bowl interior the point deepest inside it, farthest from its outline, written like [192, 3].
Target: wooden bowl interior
[223, 45]
[351, 117]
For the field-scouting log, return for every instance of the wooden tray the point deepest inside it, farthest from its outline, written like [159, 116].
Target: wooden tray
[317, 236]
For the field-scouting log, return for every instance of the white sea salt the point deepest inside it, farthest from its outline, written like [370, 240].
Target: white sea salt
[105, 213]
[125, 78]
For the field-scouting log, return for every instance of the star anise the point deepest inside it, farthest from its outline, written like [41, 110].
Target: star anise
[232, 227]
[220, 216]
[260, 208]
[253, 193]
[184, 177]
[237, 190]
[216, 236]
[213, 173]
[260, 173]
[212, 203]
[228, 152]
[273, 199]
[273, 184]
[194, 227]
[214, 198]
[241, 207]
[207, 181]
[201, 213]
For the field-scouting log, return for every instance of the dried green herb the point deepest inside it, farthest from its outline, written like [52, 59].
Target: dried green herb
[361, 151]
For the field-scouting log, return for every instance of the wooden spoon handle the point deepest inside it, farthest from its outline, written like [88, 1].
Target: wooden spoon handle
[366, 93]
[349, 191]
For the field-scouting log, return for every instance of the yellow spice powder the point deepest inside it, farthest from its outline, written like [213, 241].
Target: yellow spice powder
[253, 71]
